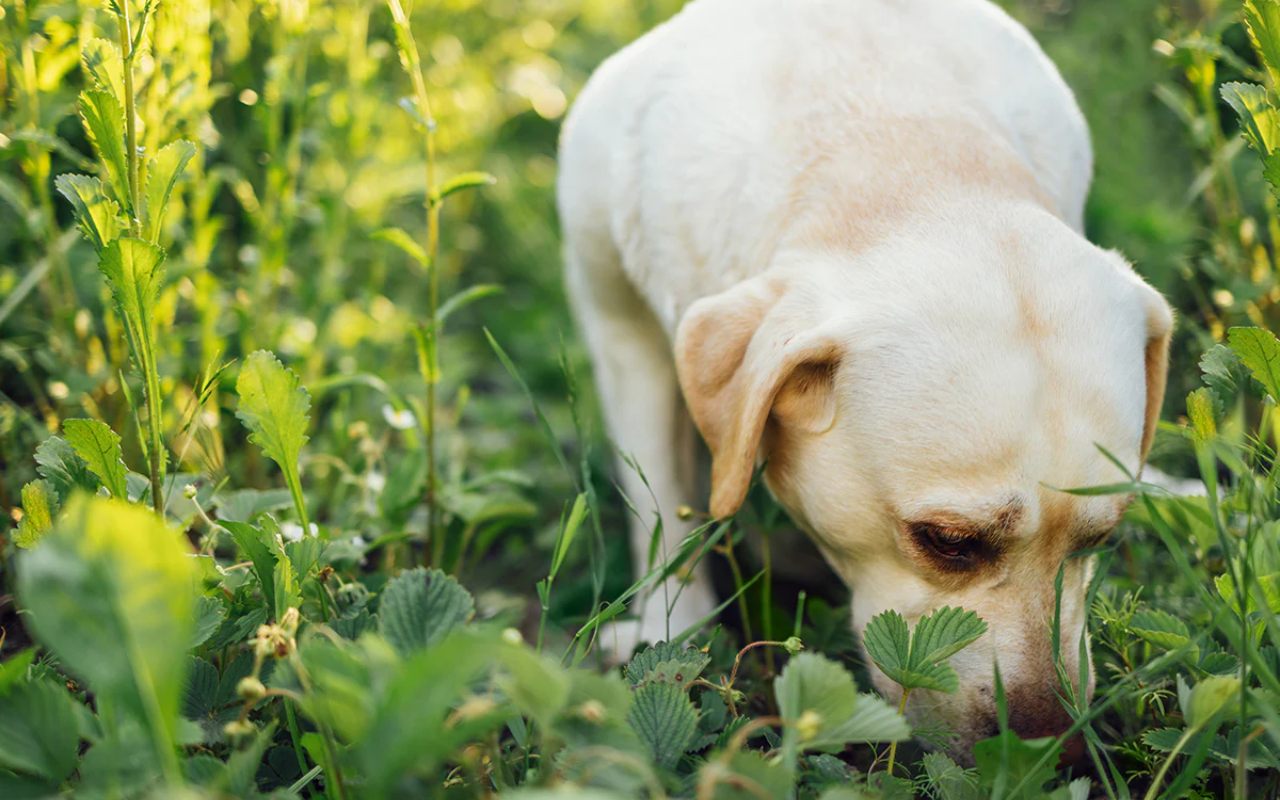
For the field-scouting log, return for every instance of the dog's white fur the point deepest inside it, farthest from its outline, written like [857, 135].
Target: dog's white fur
[849, 234]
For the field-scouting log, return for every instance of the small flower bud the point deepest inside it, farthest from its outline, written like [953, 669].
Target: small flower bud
[808, 725]
[793, 645]
[512, 636]
[189, 491]
[593, 711]
[237, 728]
[685, 512]
[251, 689]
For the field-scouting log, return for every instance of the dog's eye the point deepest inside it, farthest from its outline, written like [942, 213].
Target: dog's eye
[947, 543]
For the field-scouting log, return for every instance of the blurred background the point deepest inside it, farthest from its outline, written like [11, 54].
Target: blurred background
[305, 154]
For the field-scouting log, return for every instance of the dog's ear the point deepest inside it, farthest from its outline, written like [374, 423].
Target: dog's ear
[741, 354]
[1159, 320]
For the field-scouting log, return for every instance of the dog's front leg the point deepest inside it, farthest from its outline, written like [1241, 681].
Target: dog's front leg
[655, 440]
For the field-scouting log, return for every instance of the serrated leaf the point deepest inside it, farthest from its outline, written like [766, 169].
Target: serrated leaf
[944, 633]
[38, 500]
[873, 720]
[101, 60]
[110, 591]
[134, 270]
[1221, 366]
[66, 472]
[1258, 119]
[1201, 415]
[99, 447]
[1162, 629]
[1262, 21]
[97, 215]
[163, 171]
[252, 542]
[665, 720]
[949, 780]
[662, 657]
[888, 641]
[209, 614]
[419, 607]
[1162, 739]
[1259, 350]
[750, 775]
[103, 119]
[274, 407]
[39, 734]
[401, 239]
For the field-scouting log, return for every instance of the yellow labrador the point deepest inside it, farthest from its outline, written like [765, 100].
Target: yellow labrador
[845, 237]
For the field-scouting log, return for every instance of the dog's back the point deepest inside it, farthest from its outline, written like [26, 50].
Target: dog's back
[720, 122]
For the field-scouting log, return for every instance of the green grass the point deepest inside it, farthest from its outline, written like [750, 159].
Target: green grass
[308, 489]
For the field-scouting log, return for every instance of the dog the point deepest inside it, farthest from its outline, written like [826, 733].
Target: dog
[844, 239]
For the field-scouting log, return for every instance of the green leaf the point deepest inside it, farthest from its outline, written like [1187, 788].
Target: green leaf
[888, 641]
[1006, 761]
[14, 669]
[568, 531]
[163, 171]
[101, 59]
[665, 720]
[274, 407]
[1163, 630]
[1258, 119]
[111, 591]
[99, 446]
[663, 661]
[1222, 370]
[420, 607]
[39, 734]
[1210, 697]
[401, 239]
[748, 775]
[463, 299]
[134, 270]
[944, 633]
[252, 542]
[949, 780]
[407, 730]
[65, 471]
[103, 119]
[822, 710]
[97, 215]
[209, 614]
[919, 660]
[1262, 20]
[1201, 414]
[465, 180]
[1260, 352]
[873, 720]
[38, 501]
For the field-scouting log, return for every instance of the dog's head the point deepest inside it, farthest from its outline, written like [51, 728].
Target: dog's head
[919, 406]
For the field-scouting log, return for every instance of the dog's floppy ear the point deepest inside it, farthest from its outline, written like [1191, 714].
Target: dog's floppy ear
[737, 354]
[1159, 318]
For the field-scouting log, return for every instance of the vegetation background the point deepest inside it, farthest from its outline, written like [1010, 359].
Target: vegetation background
[298, 227]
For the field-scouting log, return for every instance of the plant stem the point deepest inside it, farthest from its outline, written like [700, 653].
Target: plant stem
[146, 353]
[893, 747]
[430, 364]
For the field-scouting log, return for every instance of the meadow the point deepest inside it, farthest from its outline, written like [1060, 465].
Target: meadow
[306, 487]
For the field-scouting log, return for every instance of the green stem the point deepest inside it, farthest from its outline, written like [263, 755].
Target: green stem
[893, 748]
[295, 735]
[413, 66]
[146, 354]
